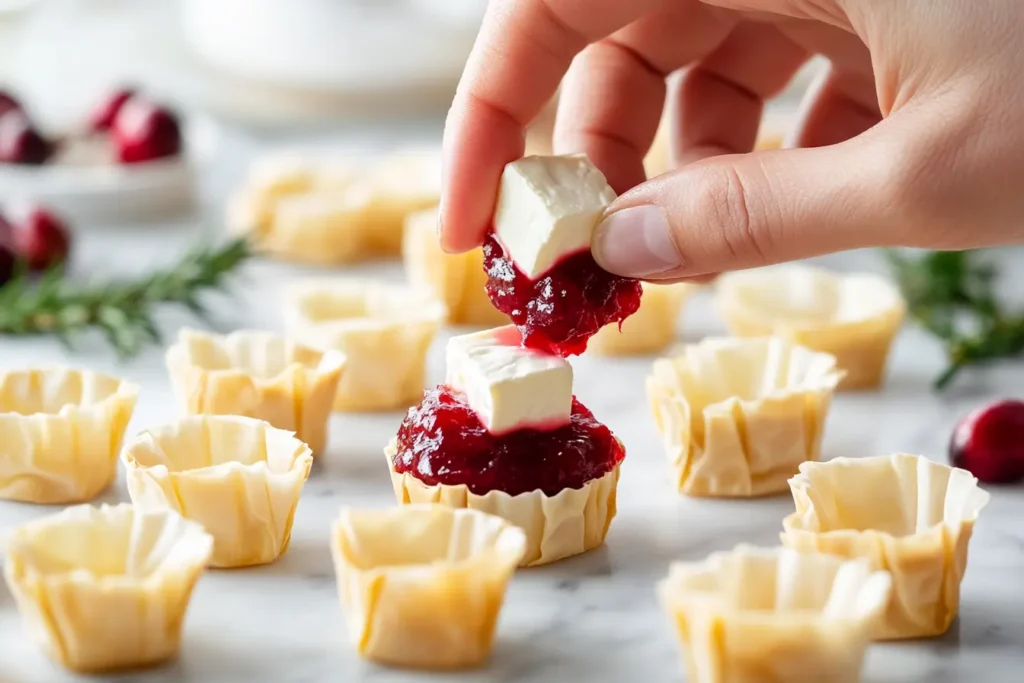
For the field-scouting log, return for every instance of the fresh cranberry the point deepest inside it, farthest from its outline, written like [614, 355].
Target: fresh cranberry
[8, 103]
[989, 443]
[41, 238]
[144, 131]
[102, 117]
[441, 441]
[7, 253]
[20, 143]
[561, 311]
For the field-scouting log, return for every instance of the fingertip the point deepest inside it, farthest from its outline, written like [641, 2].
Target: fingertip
[456, 236]
[479, 141]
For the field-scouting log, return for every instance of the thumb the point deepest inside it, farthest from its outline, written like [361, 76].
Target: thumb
[747, 210]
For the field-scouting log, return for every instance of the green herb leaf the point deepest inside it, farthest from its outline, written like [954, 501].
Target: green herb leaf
[122, 310]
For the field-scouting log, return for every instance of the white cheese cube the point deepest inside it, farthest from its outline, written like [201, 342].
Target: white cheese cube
[507, 386]
[547, 209]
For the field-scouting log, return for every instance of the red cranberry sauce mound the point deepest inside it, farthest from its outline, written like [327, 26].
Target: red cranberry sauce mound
[989, 443]
[441, 441]
[562, 310]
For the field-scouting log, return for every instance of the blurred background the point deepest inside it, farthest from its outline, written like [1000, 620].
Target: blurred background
[271, 72]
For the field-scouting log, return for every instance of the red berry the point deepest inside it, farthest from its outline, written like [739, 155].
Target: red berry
[8, 103]
[989, 443]
[144, 131]
[102, 117]
[20, 143]
[7, 255]
[41, 238]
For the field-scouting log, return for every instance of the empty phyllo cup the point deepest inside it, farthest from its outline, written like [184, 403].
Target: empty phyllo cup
[902, 513]
[422, 585]
[238, 477]
[853, 316]
[457, 280]
[384, 330]
[60, 433]
[754, 615]
[649, 330]
[738, 416]
[106, 588]
[259, 375]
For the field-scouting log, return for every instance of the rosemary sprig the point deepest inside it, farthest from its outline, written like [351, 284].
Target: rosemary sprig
[952, 295]
[122, 310]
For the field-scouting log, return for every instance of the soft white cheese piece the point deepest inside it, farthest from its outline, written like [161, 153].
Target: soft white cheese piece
[507, 386]
[548, 207]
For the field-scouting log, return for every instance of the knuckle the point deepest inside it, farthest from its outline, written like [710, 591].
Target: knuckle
[732, 207]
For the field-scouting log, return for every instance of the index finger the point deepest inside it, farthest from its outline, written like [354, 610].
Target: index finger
[520, 56]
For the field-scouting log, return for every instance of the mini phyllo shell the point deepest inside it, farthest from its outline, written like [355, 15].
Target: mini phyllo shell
[457, 280]
[853, 316]
[651, 329]
[384, 331]
[401, 183]
[903, 513]
[260, 375]
[571, 522]
[238, 477]
[106, 588]
[738, 416]
[422, 585]
[756, 615]
[60, 433]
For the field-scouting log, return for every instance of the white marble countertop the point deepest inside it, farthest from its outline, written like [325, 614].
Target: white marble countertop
[591, 618]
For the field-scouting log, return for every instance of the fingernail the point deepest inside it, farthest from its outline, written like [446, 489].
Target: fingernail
[636, 242]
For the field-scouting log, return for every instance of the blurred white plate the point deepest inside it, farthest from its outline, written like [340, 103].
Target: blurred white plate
[328, 45]
[465, 13]
[116, 192]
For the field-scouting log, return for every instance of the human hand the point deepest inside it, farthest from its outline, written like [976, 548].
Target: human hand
[913, 137]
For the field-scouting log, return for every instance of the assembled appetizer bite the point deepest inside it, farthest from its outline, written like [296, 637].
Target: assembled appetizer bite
[505, 435]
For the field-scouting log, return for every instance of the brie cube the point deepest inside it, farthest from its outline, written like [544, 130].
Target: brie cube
[547, 209]
[509, 387]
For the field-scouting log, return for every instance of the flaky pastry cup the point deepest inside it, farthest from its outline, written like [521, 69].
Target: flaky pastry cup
[60, 433]
[422, 585]
[738, 416]
[260, 375]
[384, 331]
[457, 280]
[106, 588]
[754, 615]
[903, 513]
[300, 208]
[652, 328]
[401, 183]
[852, 316]
[560, 526]
[238, 477]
